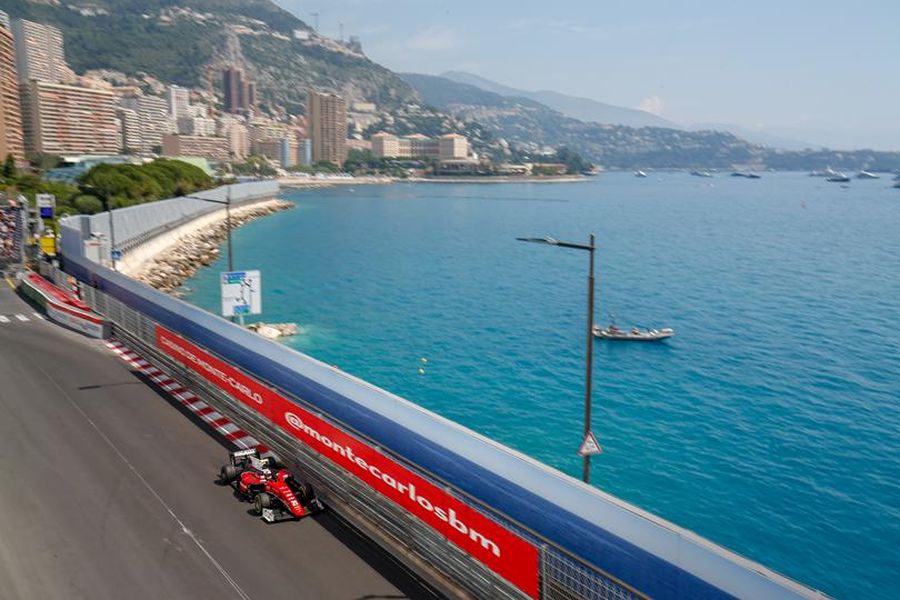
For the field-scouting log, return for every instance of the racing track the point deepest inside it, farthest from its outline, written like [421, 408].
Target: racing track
[107, 491]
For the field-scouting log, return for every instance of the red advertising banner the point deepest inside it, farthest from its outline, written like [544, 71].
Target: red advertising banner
[501, 550]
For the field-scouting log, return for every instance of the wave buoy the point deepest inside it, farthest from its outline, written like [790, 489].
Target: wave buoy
[421, 371]
[424, 360]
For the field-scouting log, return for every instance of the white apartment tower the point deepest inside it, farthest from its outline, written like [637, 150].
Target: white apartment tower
[39, 52]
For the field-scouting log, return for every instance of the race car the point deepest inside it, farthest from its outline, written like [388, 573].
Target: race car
[275, 493]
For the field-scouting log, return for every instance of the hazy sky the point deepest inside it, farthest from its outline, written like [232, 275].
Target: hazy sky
[823, 72]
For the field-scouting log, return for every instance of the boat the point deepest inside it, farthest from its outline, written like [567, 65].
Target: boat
[746, 175]
[838, 178]
[613, 333]
[828, 172]
[640, 174]
[867, 175]
[701, 173]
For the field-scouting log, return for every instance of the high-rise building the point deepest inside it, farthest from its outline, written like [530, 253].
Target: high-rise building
[179, 101]
[11, 137]
[212, 148]
[63, 119]
[232, 84]
[327, 116]
[237, 135]
[130, 127]
[39, 52]
[240, 93]
[155, 119]
[202, 126]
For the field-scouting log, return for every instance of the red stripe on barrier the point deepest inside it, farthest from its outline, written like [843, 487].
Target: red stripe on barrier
[495, 546]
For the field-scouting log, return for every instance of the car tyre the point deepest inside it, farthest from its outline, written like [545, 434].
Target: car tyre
[260, 501]
[228, 473]
[273, 463]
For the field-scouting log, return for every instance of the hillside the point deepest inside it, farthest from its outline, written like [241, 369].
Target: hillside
[583, 109]
[188, 41]
[529, 127]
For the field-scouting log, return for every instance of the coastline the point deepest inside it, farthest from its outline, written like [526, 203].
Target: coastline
[196, 245]
[501, 179]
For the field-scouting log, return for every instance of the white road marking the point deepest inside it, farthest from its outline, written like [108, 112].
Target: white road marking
[22, 317]
[184, 529]
[4, 319]
[39, 316]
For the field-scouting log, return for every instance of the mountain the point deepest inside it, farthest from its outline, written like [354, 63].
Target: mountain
[188, 42]
[583, 109]
[757, 136]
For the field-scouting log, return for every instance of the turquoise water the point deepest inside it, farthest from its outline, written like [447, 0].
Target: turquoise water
[769, 424]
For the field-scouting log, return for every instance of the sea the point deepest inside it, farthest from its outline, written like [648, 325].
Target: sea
[770, 422]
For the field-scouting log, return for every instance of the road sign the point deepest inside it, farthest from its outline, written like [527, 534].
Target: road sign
[241, 293]
[590, 446]
[46, 204]
[116, 255]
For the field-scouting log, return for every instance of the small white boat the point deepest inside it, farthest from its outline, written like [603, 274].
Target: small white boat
[640, 174]
[611, 332]
[839, 178]
[701, 173]
[866, 175]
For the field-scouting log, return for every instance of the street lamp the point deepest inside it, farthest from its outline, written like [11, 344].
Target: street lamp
[227, 204]
[589, 359]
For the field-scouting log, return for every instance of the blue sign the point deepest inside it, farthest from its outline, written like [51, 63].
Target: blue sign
[116, 255]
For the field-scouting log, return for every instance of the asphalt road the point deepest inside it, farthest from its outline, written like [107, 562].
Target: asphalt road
[107, 491]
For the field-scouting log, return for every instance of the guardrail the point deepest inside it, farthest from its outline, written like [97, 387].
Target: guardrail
[135, 225]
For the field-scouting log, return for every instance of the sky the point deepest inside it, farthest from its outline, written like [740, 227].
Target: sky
[825, 72]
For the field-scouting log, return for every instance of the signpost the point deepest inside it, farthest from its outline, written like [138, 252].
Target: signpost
[241, 294]
[589, 446]
[46, 204]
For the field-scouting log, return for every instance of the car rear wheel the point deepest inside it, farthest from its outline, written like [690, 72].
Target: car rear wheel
[273, 462]
[260, 501]
[228, 473]
[304, 492]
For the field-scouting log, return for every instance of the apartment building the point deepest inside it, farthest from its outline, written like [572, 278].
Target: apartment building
[63, 119]
[327, 122]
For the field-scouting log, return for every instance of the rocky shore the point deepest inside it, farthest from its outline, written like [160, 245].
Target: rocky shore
[199, 248]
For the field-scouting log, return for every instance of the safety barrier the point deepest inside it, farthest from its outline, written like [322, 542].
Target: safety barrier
[62, 307]
[135, 225]
[517, 528]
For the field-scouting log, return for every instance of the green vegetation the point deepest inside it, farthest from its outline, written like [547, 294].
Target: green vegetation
[145, 37]
[254, 165]
[574, 162]
[14, 182]
[127, 185]
[364, 162]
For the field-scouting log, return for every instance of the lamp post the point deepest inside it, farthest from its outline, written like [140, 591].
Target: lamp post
[227, 204]
[589, 357]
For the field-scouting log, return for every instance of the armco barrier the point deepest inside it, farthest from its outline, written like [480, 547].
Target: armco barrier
[590, 544]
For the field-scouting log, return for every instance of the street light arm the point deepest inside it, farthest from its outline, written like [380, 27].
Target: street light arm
[549, 241]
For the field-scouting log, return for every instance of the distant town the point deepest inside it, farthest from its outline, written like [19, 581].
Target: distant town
[80, 121]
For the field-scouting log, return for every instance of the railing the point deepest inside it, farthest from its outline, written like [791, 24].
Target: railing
[443, 564]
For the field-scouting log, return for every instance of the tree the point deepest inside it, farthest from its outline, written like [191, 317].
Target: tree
[9, 167]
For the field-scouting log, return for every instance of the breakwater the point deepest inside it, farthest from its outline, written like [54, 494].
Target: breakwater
[199, 247]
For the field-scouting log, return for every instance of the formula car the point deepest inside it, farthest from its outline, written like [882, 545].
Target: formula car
[275, 493]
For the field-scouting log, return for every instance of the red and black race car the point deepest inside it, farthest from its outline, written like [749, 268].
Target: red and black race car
[275, 493]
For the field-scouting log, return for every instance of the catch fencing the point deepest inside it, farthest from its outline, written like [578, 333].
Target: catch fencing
[451, 570]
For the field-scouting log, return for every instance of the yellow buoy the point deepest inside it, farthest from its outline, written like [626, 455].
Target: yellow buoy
[424, 360]
[421, 371]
